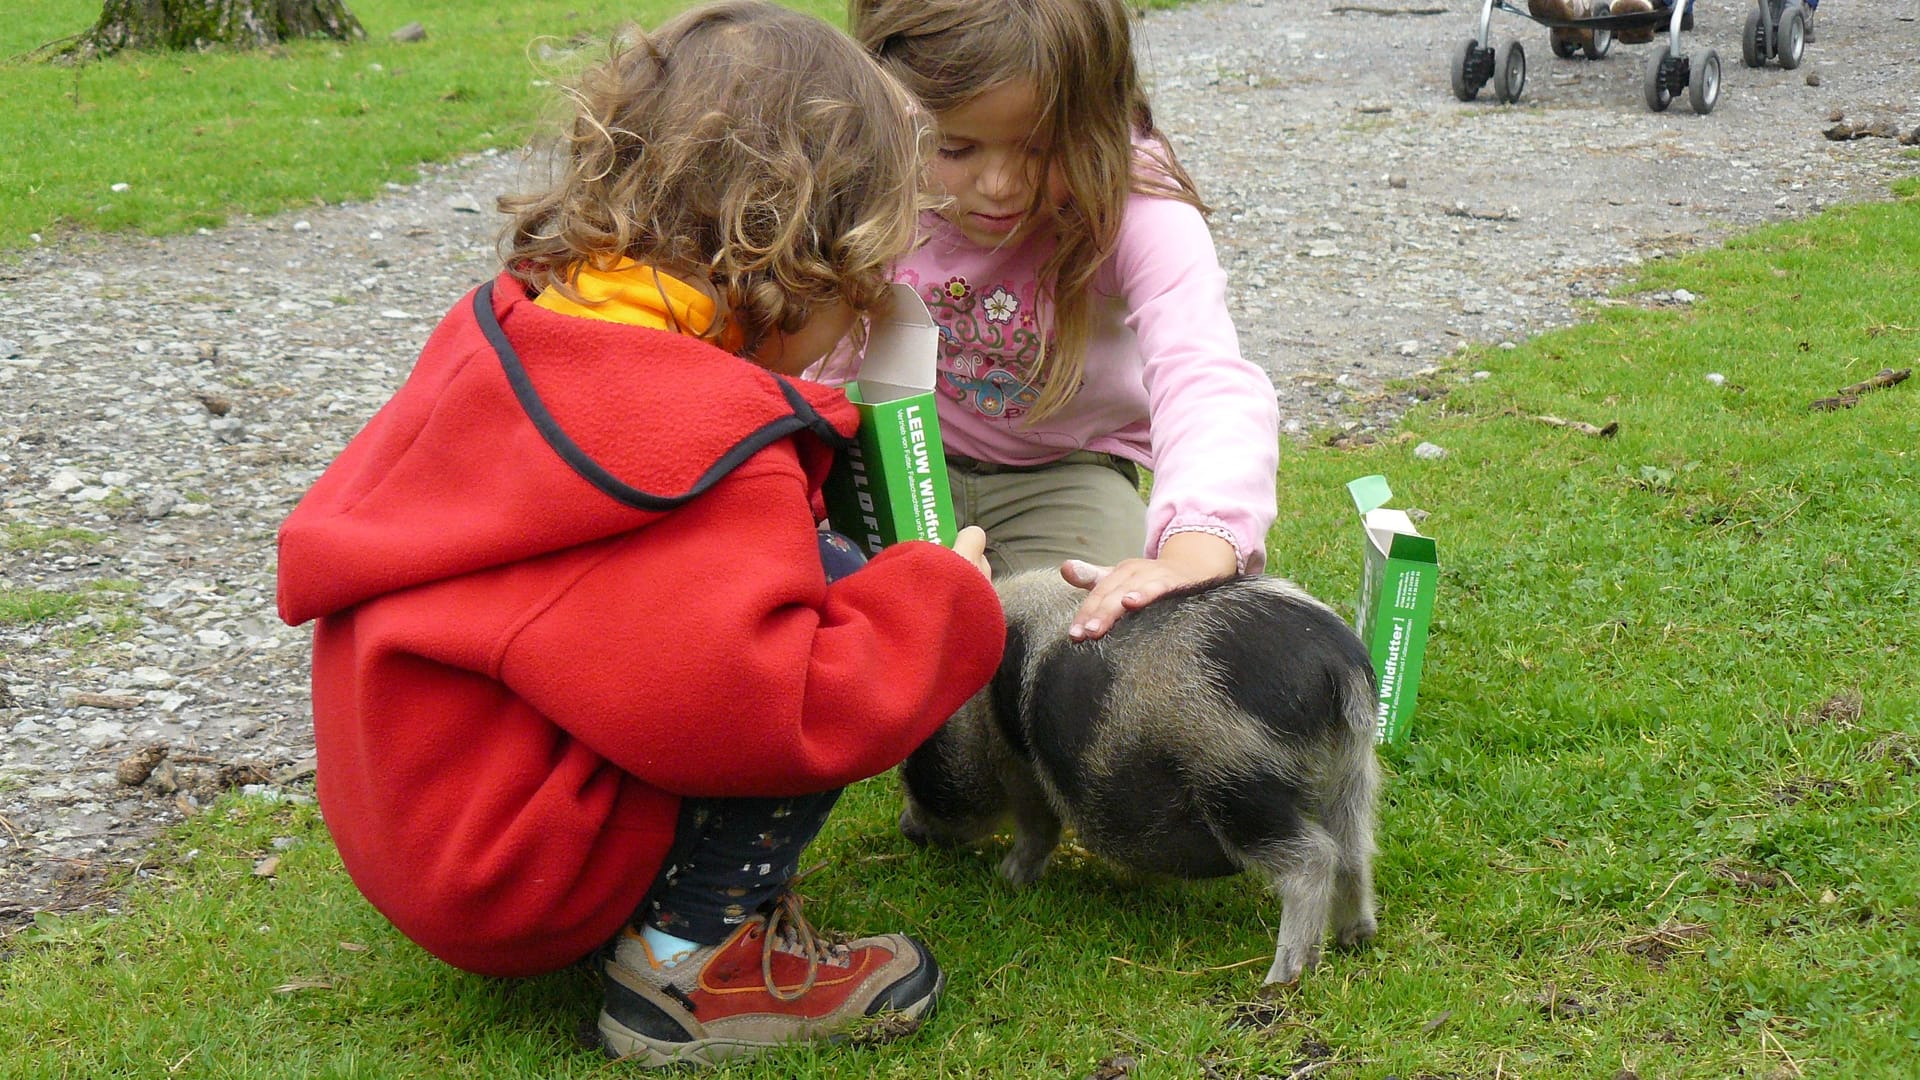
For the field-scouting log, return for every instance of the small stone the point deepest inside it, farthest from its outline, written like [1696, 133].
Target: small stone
[465, 204]
[413, 31]
[302, 226]
[1716, 378]
[120, 187]
[1682, 296]
[213, 639]
[159, 505]
[102, 733]
[1396, 181]
[1427, 451]
[164, 778]
[1813, 78]
[152, 678]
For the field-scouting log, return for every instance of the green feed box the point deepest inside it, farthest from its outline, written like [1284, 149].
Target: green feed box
[892, 484]
[1396, 603]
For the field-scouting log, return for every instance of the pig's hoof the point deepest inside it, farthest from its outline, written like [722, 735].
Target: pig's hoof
[916, 833]
[1357, 935]
[1021, 869]
[1290, 963]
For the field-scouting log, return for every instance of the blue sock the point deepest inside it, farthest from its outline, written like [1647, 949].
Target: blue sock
[667, 950]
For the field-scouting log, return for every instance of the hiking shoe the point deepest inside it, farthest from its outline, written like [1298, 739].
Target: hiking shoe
[774, 981]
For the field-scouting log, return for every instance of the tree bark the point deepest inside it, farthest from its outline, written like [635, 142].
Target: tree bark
[199, 24]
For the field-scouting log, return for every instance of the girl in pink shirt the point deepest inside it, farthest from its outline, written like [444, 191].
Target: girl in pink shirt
[1083, 316]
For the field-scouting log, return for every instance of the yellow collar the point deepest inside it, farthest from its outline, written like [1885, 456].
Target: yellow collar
[637, 295]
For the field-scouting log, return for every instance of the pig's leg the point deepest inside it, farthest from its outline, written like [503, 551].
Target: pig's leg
[1036, 831]
[1301, 869]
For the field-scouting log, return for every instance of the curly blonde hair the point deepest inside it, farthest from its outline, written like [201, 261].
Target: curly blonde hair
[743, 147]
[1078, 57]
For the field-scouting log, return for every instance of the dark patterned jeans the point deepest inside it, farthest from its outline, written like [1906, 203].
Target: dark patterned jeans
[731, 856]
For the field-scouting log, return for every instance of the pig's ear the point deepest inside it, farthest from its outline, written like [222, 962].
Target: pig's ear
[1007, 684]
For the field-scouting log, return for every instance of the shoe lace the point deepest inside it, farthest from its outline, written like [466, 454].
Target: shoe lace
[788, 931]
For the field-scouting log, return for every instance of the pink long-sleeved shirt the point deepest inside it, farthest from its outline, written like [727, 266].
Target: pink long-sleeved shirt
[1165, 383]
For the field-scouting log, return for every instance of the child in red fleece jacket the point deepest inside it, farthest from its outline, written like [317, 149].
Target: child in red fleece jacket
[586, 672]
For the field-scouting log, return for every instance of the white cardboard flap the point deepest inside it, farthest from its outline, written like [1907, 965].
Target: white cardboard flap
[902, 350]
[1382, 524]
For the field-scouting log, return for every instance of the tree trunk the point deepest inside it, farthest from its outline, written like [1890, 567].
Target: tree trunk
[198, 24]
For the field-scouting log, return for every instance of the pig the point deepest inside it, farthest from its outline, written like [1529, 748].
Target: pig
[1222, 729]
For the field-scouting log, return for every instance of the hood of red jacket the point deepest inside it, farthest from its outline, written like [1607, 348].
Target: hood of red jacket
[522, 432]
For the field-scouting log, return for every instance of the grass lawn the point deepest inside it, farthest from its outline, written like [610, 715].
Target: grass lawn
[1659, 816]
[198, 137]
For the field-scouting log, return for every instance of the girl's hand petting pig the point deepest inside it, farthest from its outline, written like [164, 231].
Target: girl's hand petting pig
[1187, 558]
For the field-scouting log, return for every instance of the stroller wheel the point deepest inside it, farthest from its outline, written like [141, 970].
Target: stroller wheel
[1655, 81]
[1753, 44]
[1466, 81]
[1790, 38]
[1510, 76]
[1703, 81]
[1602, 41]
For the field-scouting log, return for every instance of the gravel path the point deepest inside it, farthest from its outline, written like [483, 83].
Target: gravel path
[164, 403]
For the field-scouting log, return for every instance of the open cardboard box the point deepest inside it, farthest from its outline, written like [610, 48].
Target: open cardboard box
[1397, 589]
[892, 484]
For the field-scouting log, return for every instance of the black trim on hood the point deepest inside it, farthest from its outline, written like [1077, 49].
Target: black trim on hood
[803, 418]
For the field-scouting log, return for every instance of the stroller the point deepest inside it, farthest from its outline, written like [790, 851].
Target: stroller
[1775, 30]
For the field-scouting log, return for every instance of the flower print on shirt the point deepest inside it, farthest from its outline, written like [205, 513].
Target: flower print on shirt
[958, 293]
[986, 356]
[1001, 305]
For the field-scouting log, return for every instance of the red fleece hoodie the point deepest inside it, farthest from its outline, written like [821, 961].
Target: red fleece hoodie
[569, 574]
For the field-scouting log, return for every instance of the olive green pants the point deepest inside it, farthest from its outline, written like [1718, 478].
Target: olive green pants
[1084, 506]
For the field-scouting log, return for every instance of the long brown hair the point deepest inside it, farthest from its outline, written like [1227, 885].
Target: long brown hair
[744, 147]
[1078, 57]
